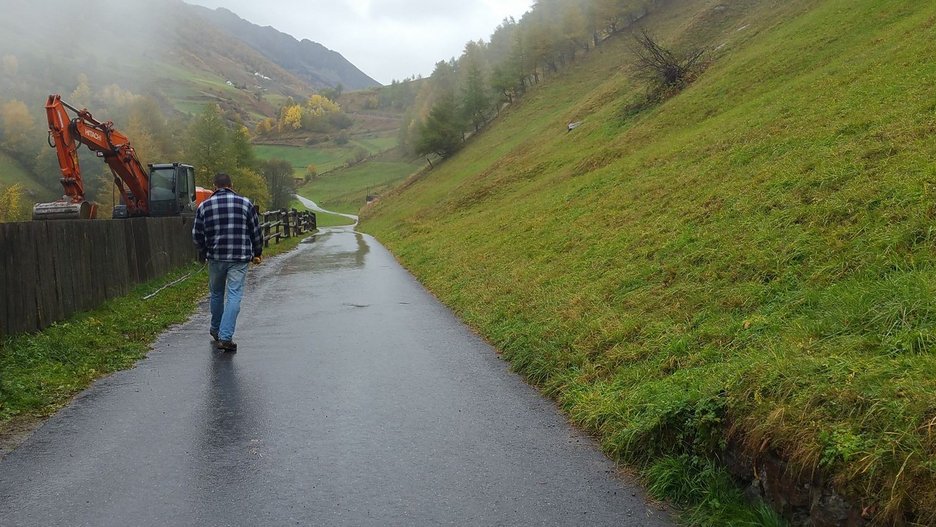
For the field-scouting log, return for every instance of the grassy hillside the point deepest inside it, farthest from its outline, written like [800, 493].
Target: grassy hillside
[346, 190]
[12, 173]
[752, 258]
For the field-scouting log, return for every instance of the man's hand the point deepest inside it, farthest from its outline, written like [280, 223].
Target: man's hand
[256, 260]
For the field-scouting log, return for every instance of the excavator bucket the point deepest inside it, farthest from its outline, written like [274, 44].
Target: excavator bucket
[65, 210]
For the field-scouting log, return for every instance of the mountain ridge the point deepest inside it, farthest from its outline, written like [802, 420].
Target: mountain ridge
[309, 60]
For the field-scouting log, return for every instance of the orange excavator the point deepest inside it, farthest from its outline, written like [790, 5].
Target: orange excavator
[164, 190]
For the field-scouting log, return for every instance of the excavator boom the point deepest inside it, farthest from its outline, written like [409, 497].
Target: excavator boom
[66, 135]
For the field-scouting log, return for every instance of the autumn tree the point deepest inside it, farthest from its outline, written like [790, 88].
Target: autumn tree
[278, 174]
[19, 129]
[265, 126]
[149, 132]
[12, 207]
[292, 118]
[81, 96]
[311, 172]
[251, 185]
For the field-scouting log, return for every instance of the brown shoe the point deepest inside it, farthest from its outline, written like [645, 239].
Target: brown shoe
[227, 345]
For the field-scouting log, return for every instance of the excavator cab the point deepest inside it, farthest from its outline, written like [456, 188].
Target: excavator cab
[171, 191]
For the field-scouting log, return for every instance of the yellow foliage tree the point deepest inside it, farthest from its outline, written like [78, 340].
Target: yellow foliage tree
[292, 118]
[18, 126]
[11, 204]
[81, 97]
[252, 186]
[320, 105]
[265, 126]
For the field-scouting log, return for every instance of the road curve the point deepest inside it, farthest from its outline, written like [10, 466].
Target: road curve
[314, 207]
[355, 399]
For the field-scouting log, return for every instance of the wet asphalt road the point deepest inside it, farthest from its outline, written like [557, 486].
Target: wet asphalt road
[355, 399]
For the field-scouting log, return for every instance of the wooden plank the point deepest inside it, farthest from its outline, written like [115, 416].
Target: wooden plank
[50, 250]
[111, 263]
[76, 265]
[6, 256]
[57, 252]
[142, 242]
[94, 282]
[134, 243]
[14, 283]
[84, 266]
[47, 308]
[117, 253]
[25, 265]
[162, 248]
[83, 280]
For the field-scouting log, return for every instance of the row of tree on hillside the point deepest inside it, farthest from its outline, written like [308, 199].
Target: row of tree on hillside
[318, 114]
[464, 94]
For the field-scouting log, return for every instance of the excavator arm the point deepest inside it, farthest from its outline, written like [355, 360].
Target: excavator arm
[66, 134]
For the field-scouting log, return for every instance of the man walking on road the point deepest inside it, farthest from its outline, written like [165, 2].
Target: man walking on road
[227, 232]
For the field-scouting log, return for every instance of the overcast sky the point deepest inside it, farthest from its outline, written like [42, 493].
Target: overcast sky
[386, 39]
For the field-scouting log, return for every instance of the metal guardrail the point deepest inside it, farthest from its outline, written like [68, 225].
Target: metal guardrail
[282, 224]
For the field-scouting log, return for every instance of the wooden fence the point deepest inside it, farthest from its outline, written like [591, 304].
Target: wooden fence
[281, 224]
[52, 269]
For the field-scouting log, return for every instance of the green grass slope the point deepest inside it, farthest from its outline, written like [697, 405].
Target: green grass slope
[346, 190]
[325, 157]
[753, 257]
[13, 173]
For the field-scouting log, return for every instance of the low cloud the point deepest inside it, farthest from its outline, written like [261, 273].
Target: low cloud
[387, 39]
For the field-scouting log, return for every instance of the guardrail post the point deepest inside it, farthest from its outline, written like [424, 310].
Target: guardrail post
[265, 226]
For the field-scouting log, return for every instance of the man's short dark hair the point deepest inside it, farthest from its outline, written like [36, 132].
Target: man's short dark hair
[222, 180]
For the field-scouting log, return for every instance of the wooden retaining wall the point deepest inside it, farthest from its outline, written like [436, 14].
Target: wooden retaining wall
[52, 269]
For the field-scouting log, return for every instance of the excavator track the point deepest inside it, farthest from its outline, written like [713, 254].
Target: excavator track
[64, 210]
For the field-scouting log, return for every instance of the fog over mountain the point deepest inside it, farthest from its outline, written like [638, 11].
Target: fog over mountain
[388, 39]
[308, 60]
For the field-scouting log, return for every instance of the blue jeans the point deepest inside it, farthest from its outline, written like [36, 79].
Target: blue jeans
[230, 277]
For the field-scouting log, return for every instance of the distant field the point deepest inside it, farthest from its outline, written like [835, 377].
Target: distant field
[322, 219]
[346, 190]
[324, 157]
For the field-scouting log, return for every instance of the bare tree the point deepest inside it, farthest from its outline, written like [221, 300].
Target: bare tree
[664, 69]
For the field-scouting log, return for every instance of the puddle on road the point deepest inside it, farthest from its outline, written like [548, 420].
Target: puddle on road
[333, 250]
